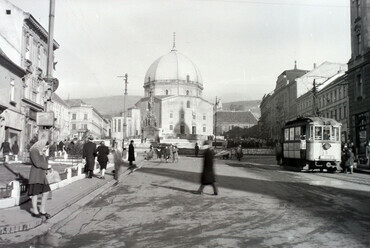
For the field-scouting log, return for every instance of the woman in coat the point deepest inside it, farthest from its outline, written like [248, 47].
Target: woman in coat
[38, 183]
[103, 152]
[89, 154]
[208, 175]
[131, 154]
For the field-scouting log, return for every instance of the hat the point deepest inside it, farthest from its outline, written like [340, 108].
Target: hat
[90, 137]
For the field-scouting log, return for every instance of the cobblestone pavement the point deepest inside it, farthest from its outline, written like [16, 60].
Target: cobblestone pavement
[259, 205]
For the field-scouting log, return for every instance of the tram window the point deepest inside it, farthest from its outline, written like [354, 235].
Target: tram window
[291, 133]
[318, 133]
[336, 133]
[297, 133]
[326, 133]
[286, 134]
[311, 133]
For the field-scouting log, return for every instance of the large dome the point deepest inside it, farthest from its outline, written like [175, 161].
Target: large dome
[173, 66]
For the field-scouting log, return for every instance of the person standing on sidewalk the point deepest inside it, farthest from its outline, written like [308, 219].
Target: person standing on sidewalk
[196, 150]
[15, 149]
[208, 175]
[367, 153]
[5, 146]
[38, 183]
[131, 155]
[118, 162]
[89, 154]
[103, 152]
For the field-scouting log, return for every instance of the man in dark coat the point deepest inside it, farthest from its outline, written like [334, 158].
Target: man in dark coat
[5, 146]
[208, 175]
[15, 149]
[89, 154]
[196, 150]
[131, 154]
[103, 152]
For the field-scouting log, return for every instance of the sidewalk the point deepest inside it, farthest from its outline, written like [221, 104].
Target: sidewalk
[18, 218]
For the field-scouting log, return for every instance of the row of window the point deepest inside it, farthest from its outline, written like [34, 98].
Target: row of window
[35, 52]
[74, 116]
[326, 133]
[182, 116]
[193, 129]
[338, 113]
[82, 126]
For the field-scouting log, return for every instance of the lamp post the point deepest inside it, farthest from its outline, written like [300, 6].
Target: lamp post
[125, 77]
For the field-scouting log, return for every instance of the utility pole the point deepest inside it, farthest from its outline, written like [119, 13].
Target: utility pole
[125, 77]
[314, 92]
[216, 104]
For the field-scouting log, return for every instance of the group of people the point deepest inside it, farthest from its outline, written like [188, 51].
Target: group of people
[9, 150]
[167, 152]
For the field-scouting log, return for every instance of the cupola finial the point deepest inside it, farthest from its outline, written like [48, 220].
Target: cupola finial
[174, 42]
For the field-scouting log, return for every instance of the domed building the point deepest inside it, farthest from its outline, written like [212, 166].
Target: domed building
[173, 106]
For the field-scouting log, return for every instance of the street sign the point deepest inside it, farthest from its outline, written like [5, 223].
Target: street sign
[45, 119]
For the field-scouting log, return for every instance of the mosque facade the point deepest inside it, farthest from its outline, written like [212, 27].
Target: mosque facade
[172, 106]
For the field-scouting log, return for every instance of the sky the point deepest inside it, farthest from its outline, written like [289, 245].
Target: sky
[239, 46]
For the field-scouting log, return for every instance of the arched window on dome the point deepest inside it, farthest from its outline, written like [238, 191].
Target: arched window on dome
[166, 92]
[187, 92]
[188, 104]
[187, 78]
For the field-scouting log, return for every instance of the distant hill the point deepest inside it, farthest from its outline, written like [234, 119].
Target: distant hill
[253, 106]
[111, 105]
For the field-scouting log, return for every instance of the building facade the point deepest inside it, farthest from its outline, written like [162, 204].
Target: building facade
[12, 119]
[359, 74]
[24, 41]
[84, 118]
[279, 106]
[62, 120]
[173, 103]
[227, 120]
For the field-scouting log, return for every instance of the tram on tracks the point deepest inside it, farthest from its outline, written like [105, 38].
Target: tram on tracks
[312, 143]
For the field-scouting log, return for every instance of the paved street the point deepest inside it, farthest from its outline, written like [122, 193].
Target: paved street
[259, 205]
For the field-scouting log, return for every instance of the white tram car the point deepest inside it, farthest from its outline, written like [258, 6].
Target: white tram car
[312, 143]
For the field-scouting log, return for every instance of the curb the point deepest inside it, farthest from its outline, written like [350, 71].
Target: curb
[76, 203]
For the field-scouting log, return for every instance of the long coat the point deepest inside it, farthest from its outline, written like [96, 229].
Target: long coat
[89, 153]
[38, 168]
[208, 175]
[131, 153]
[103, 152]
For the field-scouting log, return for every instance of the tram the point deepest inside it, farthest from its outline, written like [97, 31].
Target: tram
[312, 143]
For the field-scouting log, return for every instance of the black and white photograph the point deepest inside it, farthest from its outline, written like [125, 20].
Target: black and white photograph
[184, 123]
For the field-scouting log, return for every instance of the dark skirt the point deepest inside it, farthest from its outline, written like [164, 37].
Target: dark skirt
[103, 165]
[37, 189]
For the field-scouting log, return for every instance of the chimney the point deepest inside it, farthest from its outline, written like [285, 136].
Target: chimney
[295, 64]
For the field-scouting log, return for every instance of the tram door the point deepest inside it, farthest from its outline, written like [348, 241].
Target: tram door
[303, 144]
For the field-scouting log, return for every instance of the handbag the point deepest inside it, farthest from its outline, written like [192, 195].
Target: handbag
[53, 176]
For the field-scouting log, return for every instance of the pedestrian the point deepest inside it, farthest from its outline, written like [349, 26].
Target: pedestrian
[175, 154]
[349, 160]
[239, 152]
[89, 154]
[60, 148]
[167, 152]
[38, 183]
[163, 152]
[196, 150]
[367, 153]
[5, 146]
[15, 150]
[149, 155]
[118, 162]
[278, 152]
[208, 175]
[102, 152]
[71, 148]
[131, 155]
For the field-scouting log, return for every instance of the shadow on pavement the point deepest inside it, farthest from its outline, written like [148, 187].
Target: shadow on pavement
[175, 188]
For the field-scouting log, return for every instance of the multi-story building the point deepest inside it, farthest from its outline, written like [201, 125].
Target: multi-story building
[359, 74]
[62, 120]
[279, 106]
[24, 41]
[85, 118]
[227, 120]
[12, 119]
[328, 99]
[129, 129]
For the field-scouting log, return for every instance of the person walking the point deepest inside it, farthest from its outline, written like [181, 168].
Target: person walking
[196, 150]
[89, 154]
[208, 175]
[131, 155]
[15, 150]
[350, 159]
[175, 154]
[38, 183]
[367, 153]
[5, 146]
[239, 152]
[118, 162]
[60, 148]
[278, 152]
[102, 152]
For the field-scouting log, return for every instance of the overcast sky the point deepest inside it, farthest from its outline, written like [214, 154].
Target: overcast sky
[240, 46]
